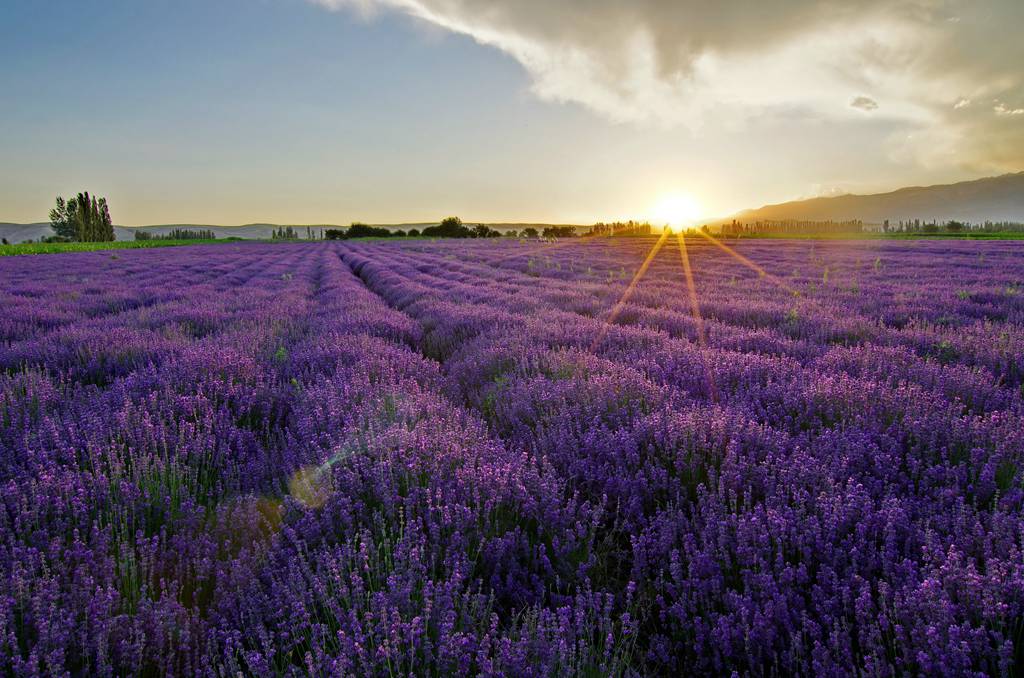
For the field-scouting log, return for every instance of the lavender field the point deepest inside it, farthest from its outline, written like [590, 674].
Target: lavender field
[514, 458]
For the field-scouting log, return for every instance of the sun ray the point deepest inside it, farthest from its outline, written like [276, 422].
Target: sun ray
[691, 289]
[568, 242]
[746, 262]
[628, 292]
[698, 319]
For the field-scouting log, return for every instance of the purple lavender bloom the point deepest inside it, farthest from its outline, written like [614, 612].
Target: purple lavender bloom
[425, 458]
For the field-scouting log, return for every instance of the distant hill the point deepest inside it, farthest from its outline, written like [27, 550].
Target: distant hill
[992, 199]
[16, 233]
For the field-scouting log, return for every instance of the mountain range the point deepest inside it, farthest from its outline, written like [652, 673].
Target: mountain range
[991, 199]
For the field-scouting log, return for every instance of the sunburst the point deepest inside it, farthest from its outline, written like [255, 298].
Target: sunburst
[628, 292]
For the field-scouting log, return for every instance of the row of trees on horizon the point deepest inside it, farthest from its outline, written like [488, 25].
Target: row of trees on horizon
[86, 218]
[856, 226]
[177, 234]
[450, 227]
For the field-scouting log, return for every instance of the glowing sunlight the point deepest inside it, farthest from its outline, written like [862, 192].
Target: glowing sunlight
[677, 210]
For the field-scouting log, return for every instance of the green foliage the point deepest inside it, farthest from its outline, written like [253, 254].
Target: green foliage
[83, 218]
[559, 232]
[620, 228]
[284, 233]
[177, 234]
[945, 352]
[358, 230]
[26, 248]
[484, 231]
[450, 227]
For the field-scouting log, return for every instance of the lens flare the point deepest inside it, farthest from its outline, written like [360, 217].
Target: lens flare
[310, 485]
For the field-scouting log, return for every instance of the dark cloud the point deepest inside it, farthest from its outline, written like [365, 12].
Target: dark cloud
[864, 103]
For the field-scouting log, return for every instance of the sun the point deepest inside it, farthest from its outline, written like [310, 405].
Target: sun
[677, 210]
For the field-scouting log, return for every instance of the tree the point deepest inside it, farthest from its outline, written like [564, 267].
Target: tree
[284, 233]
[530, 232]
[484, 231]
[62, 219]
[82, 218]
[450, 227]
[559, 232]
[358, 230]
[413, 232]
[954, 227]
[189, 234]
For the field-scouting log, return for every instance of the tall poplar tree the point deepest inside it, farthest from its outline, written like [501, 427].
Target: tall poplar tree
[83, 218]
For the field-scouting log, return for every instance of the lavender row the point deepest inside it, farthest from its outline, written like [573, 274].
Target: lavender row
[504, 459]
[859, 507]
[286, 491]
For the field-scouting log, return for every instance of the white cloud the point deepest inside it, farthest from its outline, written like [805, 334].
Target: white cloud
[1002, 109]
[684, 62]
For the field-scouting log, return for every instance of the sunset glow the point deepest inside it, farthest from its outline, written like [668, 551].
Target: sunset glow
[676, 210]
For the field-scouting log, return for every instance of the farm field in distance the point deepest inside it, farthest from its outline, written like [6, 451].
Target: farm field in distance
[28, 248]
[607, 456]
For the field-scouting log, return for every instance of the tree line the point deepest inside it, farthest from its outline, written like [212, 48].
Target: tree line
[178, 234]
[954, 226]
[792, 227]
[450, 227]
[621, 228]
[856, 226]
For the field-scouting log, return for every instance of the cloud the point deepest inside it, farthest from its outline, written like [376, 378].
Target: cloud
[864, 103]
[1002, 109]
[687, 62]
[820, 191]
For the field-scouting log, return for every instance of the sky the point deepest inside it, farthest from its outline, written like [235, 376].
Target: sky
[388, 111]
